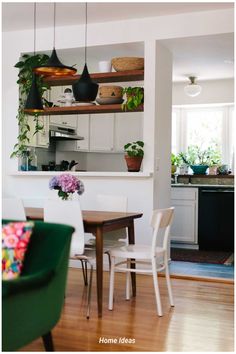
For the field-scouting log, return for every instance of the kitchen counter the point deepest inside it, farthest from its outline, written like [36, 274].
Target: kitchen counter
[83, 174]
[194, 185]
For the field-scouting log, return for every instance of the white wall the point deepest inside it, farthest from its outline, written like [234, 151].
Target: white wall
[213, 91]
[139, 191]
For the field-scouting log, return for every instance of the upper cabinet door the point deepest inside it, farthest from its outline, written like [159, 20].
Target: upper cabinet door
[83, 130]
[128, 128]
[102, 132]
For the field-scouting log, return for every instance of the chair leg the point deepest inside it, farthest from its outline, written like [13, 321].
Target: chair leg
[168, 283]
[156, 288]
[111, 286]
[89, 290]
[109, 260]
[128, 281]
[85, 271]
[48, 342]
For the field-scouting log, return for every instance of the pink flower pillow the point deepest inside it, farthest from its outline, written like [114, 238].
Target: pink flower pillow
[15, 239]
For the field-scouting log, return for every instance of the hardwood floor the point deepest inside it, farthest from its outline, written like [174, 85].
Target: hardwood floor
[202, 319]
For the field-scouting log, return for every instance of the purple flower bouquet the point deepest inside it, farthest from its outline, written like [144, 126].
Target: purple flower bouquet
[66, 184]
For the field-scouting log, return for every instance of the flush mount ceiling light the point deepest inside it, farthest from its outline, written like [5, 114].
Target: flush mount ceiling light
[34, 102]
[54, 67]
[192, 89]
[85, 89]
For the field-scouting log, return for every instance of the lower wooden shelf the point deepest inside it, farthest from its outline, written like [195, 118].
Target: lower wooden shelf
[109, 108]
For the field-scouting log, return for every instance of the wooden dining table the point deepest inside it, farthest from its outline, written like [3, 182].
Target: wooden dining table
[98, 223]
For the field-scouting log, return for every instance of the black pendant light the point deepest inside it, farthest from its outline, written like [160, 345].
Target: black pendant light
[54, 67]
[85, 89]
[34, 102]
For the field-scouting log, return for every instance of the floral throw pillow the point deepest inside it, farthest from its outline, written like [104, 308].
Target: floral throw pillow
[15, 239]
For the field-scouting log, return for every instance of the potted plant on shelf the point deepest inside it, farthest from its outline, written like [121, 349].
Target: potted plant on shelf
[134, 155]
[25, 66]
[134, 98]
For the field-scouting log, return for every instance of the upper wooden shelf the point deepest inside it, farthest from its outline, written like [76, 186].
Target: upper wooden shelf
[120, 76]
[109, 108]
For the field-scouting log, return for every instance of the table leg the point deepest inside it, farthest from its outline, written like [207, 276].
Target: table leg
[132, 242]
[99, 268]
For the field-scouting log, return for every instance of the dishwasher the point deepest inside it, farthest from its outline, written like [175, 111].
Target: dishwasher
[216, 219]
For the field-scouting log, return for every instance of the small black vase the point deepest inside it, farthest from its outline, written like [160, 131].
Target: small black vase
[85, 89]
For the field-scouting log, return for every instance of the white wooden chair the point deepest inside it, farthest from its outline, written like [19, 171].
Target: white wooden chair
[13, 209]
[69, 212]
[154, 258]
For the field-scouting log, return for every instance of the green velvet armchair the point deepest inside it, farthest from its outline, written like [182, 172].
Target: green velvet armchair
[32, 303]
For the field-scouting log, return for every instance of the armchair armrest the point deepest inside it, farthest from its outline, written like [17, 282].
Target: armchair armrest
[26, 283]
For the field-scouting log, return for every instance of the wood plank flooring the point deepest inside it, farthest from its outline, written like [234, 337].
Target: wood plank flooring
[202, 319]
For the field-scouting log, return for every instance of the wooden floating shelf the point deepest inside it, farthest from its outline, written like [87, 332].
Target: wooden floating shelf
[120, 76]
[109, 108]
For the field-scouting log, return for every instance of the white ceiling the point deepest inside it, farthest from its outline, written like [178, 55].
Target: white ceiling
[19, 15]
[206, 57]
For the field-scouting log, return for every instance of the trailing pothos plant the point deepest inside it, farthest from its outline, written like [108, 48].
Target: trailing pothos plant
[25, 75]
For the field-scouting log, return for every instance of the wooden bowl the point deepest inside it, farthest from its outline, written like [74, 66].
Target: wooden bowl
[127, 63]
[110, 91]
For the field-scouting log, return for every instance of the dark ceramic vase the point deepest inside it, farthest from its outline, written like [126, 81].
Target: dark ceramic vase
[85, 89]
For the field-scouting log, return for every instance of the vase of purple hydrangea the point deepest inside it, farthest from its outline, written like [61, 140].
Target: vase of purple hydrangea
[66, 184]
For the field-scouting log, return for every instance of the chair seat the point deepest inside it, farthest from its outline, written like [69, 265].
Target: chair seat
[135, 251]
[107, 244]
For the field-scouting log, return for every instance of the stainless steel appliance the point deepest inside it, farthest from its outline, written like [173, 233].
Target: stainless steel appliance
[63, 133]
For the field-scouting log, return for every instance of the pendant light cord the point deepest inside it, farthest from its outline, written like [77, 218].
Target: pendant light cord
[34, 26]
[54, 25]
[85, 40]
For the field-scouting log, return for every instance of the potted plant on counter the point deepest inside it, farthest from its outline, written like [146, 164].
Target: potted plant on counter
[175, 162]
[214, 161]
[199, 160]
[134, 98]
[134, 155]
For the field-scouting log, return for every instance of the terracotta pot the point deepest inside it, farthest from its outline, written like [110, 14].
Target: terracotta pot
[133, 163]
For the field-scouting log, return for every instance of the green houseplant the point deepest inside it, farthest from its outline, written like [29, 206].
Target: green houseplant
[198, 159]
[25, 66]
[175, 162]
[134, 155]
[134, 98]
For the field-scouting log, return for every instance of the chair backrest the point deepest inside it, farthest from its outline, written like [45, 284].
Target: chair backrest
[112, 203]
[161, 219]
[69, 213]
[13, 209]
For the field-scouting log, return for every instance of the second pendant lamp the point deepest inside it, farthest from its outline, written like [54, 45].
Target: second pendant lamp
[54, 67]
[85, 89]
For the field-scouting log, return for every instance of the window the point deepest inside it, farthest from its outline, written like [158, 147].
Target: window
[204, 126]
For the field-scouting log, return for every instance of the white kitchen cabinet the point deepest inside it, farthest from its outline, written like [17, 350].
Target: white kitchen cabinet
[69, 121]
[41, 139]
[43, 135]
[185, 224]
[83, 127]
[32, 137]
[128, 128]
[102, 132]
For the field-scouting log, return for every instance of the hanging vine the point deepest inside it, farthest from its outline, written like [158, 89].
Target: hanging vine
[25, 66]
